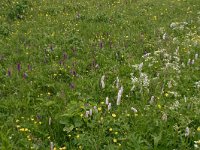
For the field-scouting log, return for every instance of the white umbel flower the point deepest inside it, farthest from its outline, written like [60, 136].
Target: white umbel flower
[164, 117]
[87, 114]
[119, 95]
[187, 132]
[134, 110]
[51, 146]
[90, 112]
[109, 106]
[117, 83]
[95, 109]
[196, 56]
[102, 82]
[107, 100]
[151, 100]
[134, 82]
[164, 37]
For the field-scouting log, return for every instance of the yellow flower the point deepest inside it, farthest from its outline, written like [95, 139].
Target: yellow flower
[18, 126]
[23, 129]
[159, 106]
[114, 115]
[115, 140]
[102, 103]
[110, 129]
[17, 121]
[198, 142]
[78, 136]
[166, 94]
[116, 133]
[99, 108]
[198, 129]
[62, 148]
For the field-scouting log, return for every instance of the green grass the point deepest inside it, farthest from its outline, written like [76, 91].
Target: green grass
[53, 55]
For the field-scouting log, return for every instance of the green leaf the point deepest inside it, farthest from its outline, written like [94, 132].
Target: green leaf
[68, 129]
[49, 103]
[77, 120]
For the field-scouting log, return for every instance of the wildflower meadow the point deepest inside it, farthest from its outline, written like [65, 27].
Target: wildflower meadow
[100, 75]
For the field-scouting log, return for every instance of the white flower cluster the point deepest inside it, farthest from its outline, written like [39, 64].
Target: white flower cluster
[178, 25]
[197, 85]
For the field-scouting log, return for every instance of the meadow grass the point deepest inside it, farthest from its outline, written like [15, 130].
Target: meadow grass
[109, 74]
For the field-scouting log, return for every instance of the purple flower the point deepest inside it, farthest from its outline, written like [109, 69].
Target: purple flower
[72, 86]
[61, 62]
[101, 44]
[51, 47]
[110, 44]
[29, 67]
[73, 72]
[9, 73]
[65, 56]
[18, 67]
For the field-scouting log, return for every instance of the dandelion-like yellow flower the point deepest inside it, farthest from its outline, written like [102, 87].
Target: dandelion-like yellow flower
[80, 147]
[198, 129]
[116, 133]
[23, 129]
[166, 94]
[62, 148]
[110, 129]
[17, 121]
[159, 106]
[115, 140]
[114, 115]
[102, 103]
[99, 108]
[154, 17]
[78, 136]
